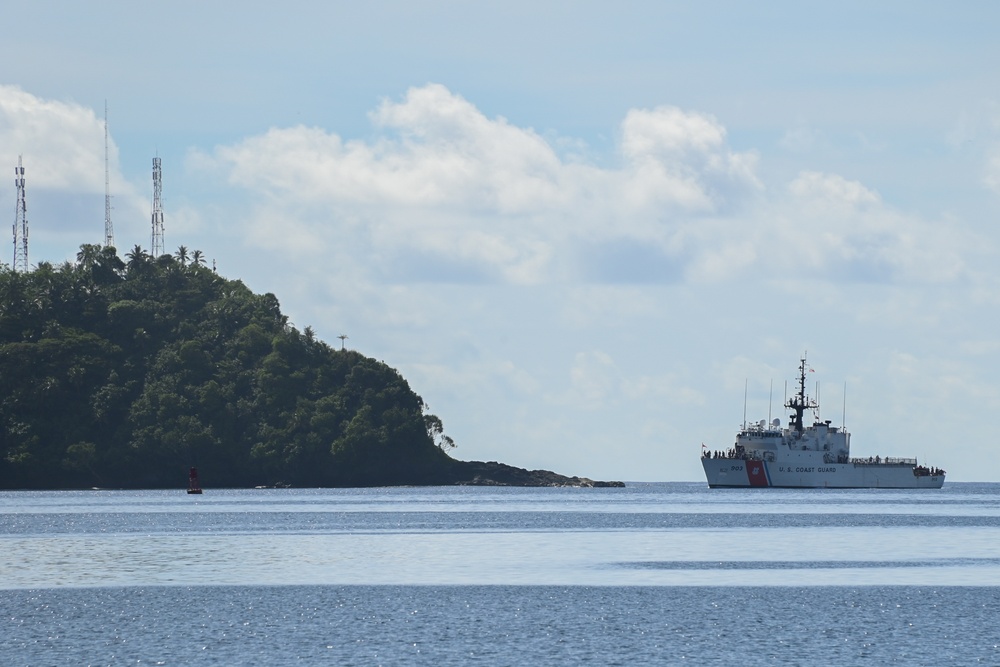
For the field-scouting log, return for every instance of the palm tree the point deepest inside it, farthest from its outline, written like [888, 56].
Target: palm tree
[87, 256]
[197, 258]
[138, 260]
[182, 255]
[136, 254]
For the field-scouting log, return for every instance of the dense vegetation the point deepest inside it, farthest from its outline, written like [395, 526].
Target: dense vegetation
[122, 373]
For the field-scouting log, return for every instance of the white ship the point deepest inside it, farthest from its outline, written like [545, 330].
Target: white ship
[817, 456]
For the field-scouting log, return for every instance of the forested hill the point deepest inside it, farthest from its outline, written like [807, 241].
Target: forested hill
[124, 372]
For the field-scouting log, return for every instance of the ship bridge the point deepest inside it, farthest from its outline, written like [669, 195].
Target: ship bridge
[762, 438]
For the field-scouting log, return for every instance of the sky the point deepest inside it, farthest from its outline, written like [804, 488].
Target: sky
[593, 236]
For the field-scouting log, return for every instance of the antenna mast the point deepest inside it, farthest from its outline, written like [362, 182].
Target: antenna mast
[157, 238]
[843, 419]
[109, 230]
[770, 399]
[746, 383]
[800, 402]
[20, 221]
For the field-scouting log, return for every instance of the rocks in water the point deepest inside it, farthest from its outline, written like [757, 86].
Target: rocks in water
[478, 473]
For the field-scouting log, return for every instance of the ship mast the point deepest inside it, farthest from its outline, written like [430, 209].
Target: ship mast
[800, 402]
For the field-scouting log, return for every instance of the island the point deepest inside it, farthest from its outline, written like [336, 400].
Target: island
[126, 372]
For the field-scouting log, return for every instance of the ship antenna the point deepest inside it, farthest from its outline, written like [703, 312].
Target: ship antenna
[770, 399]
[745, 382]
[843, 419]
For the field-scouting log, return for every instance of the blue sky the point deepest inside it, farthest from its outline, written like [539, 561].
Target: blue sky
[578, 229]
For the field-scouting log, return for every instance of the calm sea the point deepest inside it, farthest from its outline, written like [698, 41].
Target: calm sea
[650, 574]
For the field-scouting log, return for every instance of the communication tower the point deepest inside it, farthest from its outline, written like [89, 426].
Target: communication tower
[20, 221]
[109, 230]
[157, 240]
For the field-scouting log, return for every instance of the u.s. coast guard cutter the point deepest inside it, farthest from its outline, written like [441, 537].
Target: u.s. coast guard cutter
[813, 456]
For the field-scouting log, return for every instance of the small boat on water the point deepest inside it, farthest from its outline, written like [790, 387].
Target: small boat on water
[193, 485]
[816, 456]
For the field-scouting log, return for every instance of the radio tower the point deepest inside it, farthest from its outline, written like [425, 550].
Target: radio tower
[109, 230]
[20, 222]
[157, 241]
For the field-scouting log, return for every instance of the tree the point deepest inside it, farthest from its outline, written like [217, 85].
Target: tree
[128, 373]
[435, 431]
[137, 258]
[87, 256]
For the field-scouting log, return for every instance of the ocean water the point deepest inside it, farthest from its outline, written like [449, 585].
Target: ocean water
[669, 573]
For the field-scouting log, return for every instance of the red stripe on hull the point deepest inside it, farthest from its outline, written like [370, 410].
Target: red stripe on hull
[757, 473]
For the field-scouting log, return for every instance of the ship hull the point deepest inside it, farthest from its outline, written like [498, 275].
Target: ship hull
[738, 473]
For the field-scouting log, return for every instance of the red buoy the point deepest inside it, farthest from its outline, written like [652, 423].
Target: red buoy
[193, 485]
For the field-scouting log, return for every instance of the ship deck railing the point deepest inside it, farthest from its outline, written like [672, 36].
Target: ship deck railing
[883, 461]
[769, 456]
[746, 456]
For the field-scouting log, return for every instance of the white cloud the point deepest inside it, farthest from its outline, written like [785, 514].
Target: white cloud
[444, 193]
[850, 232]
[683, 158]
[831, 190]
[62, 145]
[446, 188]
[826, 227]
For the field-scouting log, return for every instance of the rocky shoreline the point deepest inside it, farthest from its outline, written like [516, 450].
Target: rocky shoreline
[492, 473]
